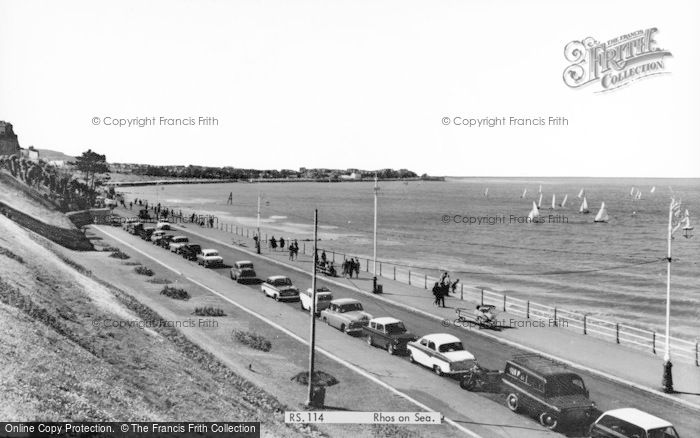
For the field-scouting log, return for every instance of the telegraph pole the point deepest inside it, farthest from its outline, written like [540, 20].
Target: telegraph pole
[667, 380]
[312, 343]
[374, 261]
[258, 242]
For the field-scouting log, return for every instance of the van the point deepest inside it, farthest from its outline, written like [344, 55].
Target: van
[549, 390]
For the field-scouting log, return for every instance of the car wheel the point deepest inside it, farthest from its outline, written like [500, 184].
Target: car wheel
[277, 297]
[410, 357]
[513, 402]
[370, 342]
[390, 349]
[342, 328]
[466, 383]
[548, 420]
[301, 304]
[438, 370]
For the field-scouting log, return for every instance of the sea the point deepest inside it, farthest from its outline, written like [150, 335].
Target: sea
[477, 229]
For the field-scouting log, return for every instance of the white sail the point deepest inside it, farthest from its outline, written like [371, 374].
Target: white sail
[602, 215]
[686, 222]
[486, 192]
[524, 193]
[632, 191]
[580, 194]
[539, 202]
[563, 203]
[540, 189]
[554, 200]
[638, 195]
[584, 206]
[653, 189]
[534, 213]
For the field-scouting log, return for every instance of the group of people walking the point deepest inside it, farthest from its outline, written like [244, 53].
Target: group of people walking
[442, 288]
[350, 266]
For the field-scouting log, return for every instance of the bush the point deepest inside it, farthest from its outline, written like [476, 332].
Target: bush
[175, 293]
[252, 340]
[142, 270]
[117, 254]
[209, 311]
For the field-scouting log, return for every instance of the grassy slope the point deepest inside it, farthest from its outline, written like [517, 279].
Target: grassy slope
[57, 366]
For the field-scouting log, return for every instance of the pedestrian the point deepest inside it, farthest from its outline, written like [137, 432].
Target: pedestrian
[273, 243]
[282, 243]
[296, 249]
[323, 256]
[131, 205]
[454, 285]
[211, 222]
[445, 278]
[345, 268]
[357, 267]
[441, 295]
[436, 293]
[291, 251]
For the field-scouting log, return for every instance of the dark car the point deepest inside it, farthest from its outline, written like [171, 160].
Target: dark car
[190, 251]
[388, 333]
[549, 390]
[244, 272]
[146, 233]
[164, 242]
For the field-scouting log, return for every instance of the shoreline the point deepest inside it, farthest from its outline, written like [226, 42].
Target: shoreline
[260, 180]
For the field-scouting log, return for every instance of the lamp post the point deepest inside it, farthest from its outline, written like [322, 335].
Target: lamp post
[257, 241]
[312, 334]
[374, 261]
[673, 224]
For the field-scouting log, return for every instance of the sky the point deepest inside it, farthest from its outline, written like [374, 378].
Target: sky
[349, 84]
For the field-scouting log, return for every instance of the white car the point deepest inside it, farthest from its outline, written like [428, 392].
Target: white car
[209, 258]
[442, 353]
[629, 423]
[178, 242]
[323, 299]
[163, 225]
[157, 235]
[280, 288]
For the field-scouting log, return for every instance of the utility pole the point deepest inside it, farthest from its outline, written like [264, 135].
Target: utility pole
[258, 241]
[667, 380]
[374, 261]
[312, 343]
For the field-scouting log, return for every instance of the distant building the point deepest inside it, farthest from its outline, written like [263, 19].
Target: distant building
[30, 153]
[57, 163]
[9, 145]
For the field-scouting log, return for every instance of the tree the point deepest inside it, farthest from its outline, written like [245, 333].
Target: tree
[90, 164]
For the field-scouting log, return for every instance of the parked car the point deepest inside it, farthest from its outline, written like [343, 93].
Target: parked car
[346, 314]
[549, 390]
[323, 299]
[164, 242]
[135, 228]
[114, 220]
[388, 333]
[280, 288]
[244, 272]
[163, 225]
[178, 242]
[631, 423]
[190, 251]
[441, 352]
[156, 236]
[209, 258]
[146, 233]
[128, 222]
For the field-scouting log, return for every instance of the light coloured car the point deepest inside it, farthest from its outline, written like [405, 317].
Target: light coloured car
[280, 288]
[323, 299]
[631, 423]
[163, 225]
[178, 242]
[441, 352]
[157, 235]
[346, 314]
[209, 258]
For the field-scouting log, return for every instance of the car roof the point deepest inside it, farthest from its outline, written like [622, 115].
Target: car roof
[384, 320]
[277, 277]
[541, 365]
[341, 301]
[210, 250]
[320, 289]
[441, 338]
[638, 418]
[241, 262]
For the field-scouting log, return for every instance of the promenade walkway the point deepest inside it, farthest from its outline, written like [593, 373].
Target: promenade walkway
[617, 362]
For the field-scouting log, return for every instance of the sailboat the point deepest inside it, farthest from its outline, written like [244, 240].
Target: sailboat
[563, 203]
[653, 189]
[554, 200]
[687, 228]
[524, 193]
[486, 193]
[632, 192]
[602, 215]
[534, 215]
[580, 194]
[539, 202]
[540, 189]
[638, 196]
[584, 207]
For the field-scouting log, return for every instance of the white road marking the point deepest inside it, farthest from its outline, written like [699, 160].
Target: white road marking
[298, 338]
[514, 344]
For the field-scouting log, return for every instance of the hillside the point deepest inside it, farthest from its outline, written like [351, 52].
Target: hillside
[50, 155]
[57, 366]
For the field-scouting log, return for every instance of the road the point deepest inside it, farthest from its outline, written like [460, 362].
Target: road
[419, 383]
